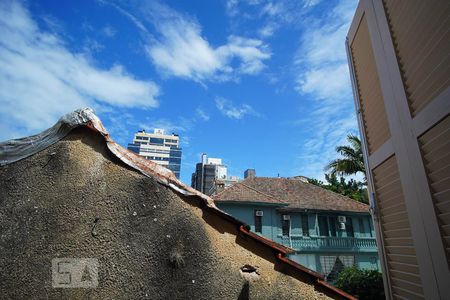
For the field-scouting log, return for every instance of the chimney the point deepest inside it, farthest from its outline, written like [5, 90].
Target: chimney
[249, 173]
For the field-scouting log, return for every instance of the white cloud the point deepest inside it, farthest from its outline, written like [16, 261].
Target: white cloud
[231, 6]
[227, 108]
[202, 114]
[272, 9]
[182, 51]
[322, 74]
[319, 148]
[251, 53]
[271, 15]
[268, 30]
[310, 3]
[91, 46]
[53, 24]
[179, 49]
[41, 79]
[109, 31]
[325, 82]
[130, 16]
[322, 54]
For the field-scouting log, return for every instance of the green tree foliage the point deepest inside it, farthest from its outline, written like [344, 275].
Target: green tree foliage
[352, 160]
[365, 284]
[352, 188]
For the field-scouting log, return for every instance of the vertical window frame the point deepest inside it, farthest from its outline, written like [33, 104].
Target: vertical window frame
[305, 225]
[323, 221]
[258, 221]
[285, 226]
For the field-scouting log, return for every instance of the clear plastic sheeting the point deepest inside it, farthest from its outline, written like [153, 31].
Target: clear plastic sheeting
[17, 149]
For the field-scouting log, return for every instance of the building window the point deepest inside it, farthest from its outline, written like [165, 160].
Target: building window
[157, 141]
[285, 225]
[258, 221]
[332, 222]
[305, 225]
[327, 225]
[362, 229]
[323, 226]
[349, 227]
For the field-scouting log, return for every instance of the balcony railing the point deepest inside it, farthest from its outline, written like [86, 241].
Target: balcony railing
[330, 243]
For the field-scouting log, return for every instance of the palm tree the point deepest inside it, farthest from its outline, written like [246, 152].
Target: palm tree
[352, 161]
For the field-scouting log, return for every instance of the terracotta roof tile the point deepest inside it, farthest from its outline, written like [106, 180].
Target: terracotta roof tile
[242, 192]
[298, 194]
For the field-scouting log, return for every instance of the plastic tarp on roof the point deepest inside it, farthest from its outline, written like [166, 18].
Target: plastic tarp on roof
[17, 149]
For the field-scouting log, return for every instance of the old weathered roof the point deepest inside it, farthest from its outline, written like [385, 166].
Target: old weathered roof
[68, 193]
[298, 194]
[243, 193]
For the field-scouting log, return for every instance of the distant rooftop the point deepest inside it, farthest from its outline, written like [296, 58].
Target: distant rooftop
[298, 194]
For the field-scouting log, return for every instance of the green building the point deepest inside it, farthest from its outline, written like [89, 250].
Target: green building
[328, 231]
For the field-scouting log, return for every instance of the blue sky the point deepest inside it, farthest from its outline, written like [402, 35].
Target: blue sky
[260, 84]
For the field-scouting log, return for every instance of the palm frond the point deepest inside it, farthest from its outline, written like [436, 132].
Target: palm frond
[354, 141]
[347, 152]
[352, 158]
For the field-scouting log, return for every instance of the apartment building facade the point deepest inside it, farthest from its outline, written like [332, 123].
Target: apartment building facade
[328, 231]
[211, 176]
[398, 54]
[163, 149]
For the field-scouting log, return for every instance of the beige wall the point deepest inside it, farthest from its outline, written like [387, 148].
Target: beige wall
[400, 68]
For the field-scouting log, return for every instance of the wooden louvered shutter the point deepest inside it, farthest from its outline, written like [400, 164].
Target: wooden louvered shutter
[398, 243]
[371, 99]
[435, 146]
[400, 69]
[421, 34]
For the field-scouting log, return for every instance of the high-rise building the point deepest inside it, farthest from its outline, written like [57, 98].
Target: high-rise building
[399, 62]
[249, 173]
[210, 176]
[161, 148]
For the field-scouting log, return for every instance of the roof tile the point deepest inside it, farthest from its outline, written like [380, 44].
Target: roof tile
[298, 194]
